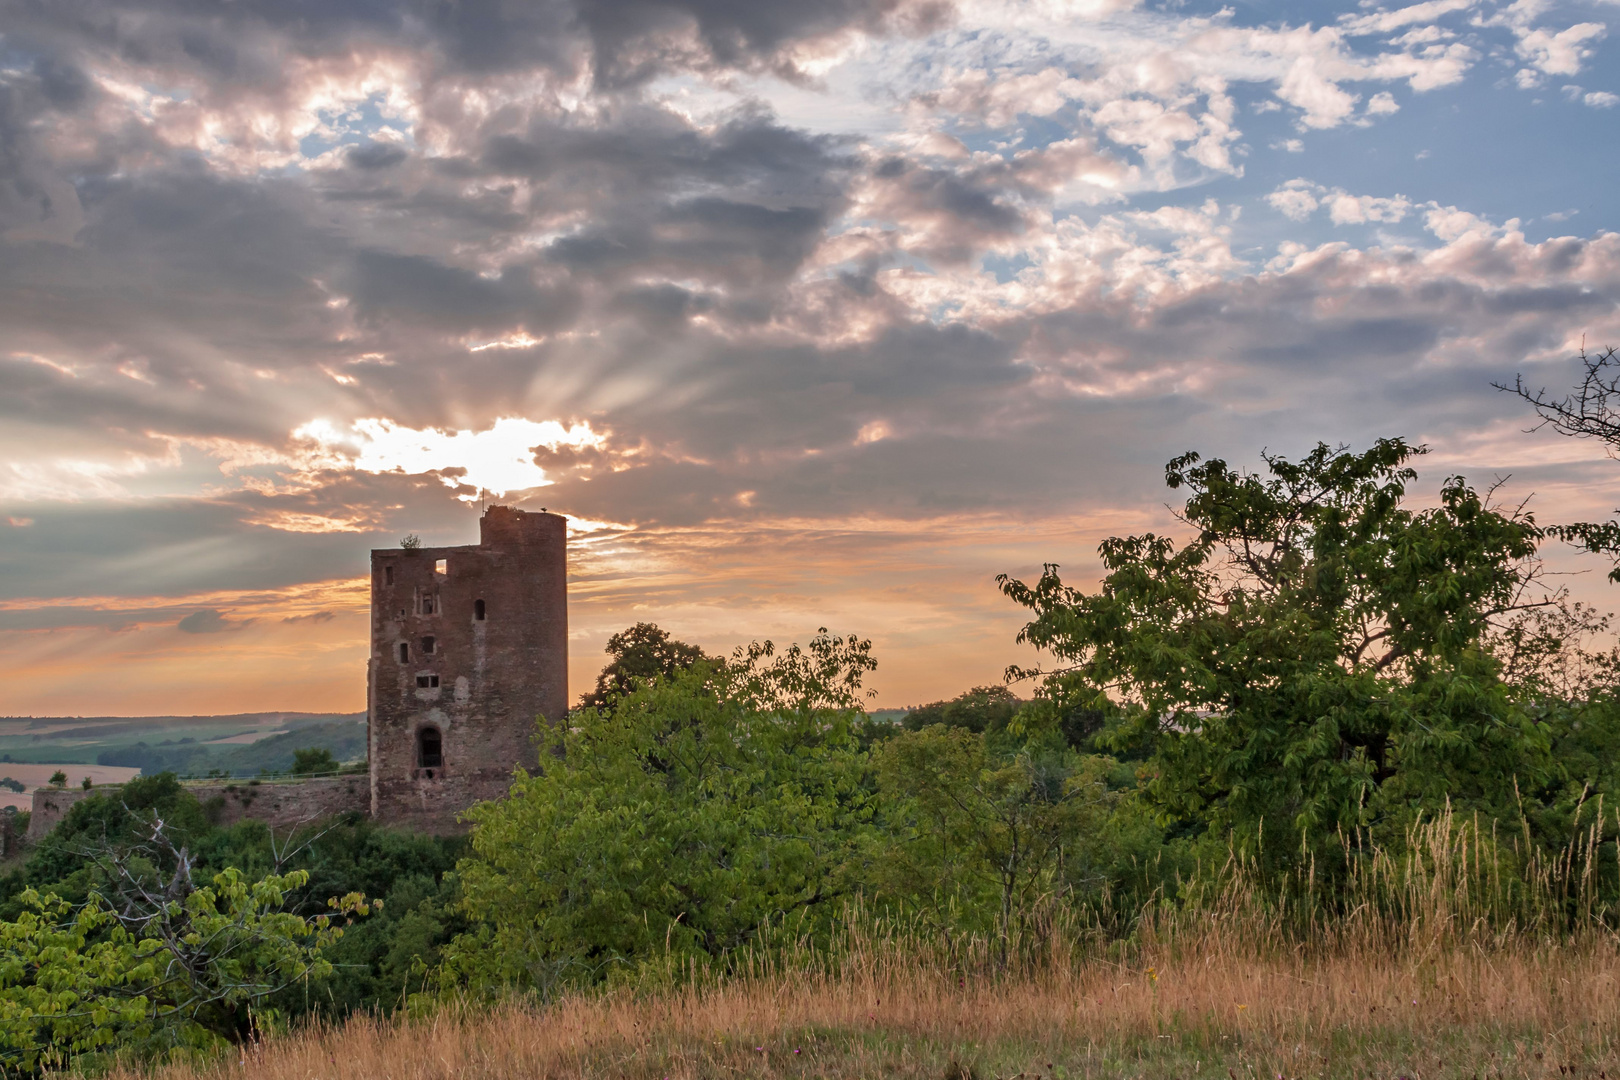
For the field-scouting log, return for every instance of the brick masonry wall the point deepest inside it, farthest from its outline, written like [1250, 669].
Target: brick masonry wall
[475, 656]
[277, 803]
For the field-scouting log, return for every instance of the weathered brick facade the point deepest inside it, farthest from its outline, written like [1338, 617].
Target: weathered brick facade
[469, 648]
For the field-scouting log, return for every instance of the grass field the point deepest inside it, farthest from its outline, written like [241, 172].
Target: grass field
[1443, 958]
[1198, 1010]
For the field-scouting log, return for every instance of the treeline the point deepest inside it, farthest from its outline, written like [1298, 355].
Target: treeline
[1297, 693]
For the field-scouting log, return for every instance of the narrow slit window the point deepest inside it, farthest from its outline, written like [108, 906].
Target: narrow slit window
[427, 682]
[429, 749]
[428, 646]
[478, 610]
[404, 653]
[388, 575]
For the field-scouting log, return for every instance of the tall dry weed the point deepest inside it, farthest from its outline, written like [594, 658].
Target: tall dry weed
[1457, 956]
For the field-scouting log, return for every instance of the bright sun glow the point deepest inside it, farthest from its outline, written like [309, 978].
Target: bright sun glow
[498, 460]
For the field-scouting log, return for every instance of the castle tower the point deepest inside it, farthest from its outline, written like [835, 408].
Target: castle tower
[469, 647]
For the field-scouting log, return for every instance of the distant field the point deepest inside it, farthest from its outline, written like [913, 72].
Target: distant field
[33, 776]
[117, 747]
[110, 749]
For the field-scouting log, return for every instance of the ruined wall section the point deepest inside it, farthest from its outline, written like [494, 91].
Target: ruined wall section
[277, 803]
[469, 650]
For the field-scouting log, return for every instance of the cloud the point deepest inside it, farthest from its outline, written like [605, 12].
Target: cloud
[498, 459]
[1384, 22]
[1382, 104]
[1298, 199]
[723, 282]
[376, 155]
[208, 621]
[1561, 52]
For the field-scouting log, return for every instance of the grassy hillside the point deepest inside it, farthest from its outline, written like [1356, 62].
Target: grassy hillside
[241, 745]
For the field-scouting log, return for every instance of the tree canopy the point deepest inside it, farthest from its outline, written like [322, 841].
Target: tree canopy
[1318, 658]
[644, 651]
[705, 812]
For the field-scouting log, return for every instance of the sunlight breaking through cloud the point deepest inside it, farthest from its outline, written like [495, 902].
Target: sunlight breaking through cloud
[499, 459]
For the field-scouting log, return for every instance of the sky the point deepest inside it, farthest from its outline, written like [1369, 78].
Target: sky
[807, 312]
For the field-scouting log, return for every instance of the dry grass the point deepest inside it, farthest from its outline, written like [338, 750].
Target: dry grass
[1436, 963]
[1185, 1011]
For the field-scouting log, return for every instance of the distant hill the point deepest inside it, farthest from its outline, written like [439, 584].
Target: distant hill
[242, 744]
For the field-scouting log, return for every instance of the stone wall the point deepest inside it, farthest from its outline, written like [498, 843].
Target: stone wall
[51, 805]
[469, 650]
[277, 803]
[284, 803]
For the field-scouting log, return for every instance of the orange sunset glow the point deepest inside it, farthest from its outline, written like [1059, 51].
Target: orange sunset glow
[820, 319]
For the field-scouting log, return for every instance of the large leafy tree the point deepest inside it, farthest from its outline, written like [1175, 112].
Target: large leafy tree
[1318, 658]
[982, 708]
[989, 841]
[639, 653]
[708, 811]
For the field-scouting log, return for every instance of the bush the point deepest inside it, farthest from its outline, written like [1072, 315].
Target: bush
[718, 808]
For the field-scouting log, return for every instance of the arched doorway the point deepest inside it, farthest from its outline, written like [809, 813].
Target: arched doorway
[429, 750]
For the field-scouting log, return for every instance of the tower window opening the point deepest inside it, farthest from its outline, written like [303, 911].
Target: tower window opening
[429, 749]
[404, 653]
[478, 610]
[427, 603]
[427, 646]
[388, 575]
[427, 682]
[441, 566]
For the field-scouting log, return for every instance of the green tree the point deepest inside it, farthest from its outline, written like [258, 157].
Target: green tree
[313, 760]
[986, 841]
[644, 651]
[709, 811]
[64, 859]
[1318, 658]
[983, 708]
[156, 964]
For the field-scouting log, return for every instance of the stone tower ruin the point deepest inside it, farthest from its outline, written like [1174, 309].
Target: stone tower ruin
[469, 647]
